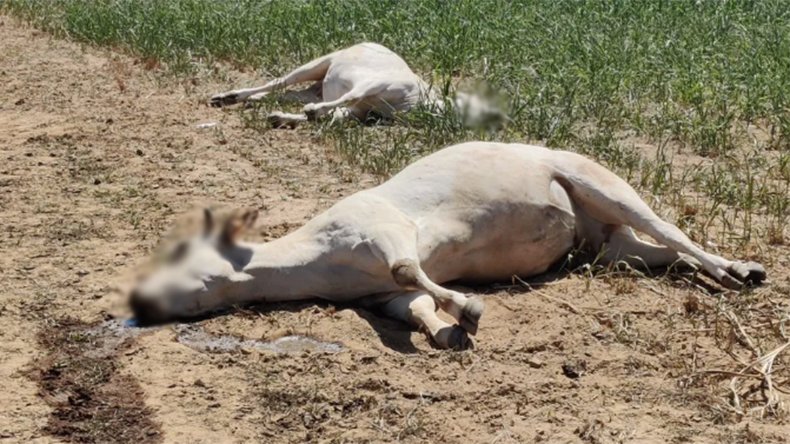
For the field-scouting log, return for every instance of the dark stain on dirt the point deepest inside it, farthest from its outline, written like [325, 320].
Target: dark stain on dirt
[91, 401]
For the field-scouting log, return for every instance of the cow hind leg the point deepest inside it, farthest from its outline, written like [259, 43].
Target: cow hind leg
[731, 274]
[304, 96]
[606, 198]
[279, 119]
[419, 309]
[623, 246]
[349, 99]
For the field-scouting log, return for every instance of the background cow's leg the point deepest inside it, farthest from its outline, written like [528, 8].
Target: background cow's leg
[358, 93]
[419, 309]
[280, 119]
[313, 71]
[307, 95]
[340, 114]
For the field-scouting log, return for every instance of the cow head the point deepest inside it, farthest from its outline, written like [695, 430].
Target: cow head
[197, 275]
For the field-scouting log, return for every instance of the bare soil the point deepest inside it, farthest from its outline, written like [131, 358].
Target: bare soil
[99, 156]
[79, 379]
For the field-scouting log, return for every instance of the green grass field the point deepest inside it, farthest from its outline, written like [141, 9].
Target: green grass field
[709, 79]
[691, 69]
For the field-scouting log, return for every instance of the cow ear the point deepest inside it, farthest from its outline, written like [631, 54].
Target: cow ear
[237, 223]
[208, 221]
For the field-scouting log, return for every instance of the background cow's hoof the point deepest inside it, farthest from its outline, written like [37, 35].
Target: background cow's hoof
[311, 111]
[223, 99]
[749, 273]
[470, 314]
[278, 119]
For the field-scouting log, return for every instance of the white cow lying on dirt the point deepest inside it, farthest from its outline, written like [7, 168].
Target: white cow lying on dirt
[477, 211]
[359, 80]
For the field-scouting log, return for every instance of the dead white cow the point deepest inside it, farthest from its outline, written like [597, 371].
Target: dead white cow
[477, 211]
[356, 81]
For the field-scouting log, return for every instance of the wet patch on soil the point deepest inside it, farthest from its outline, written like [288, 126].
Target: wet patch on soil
[195, 337]
[93, 402]
[115, 332]
[79, 378]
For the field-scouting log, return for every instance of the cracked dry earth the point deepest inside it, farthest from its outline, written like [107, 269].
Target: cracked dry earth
[98, 158]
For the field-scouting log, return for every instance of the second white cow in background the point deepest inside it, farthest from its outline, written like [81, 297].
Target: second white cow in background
[355, 81]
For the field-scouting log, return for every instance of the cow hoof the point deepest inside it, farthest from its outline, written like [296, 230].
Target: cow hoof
[727, 281]
[747, 273]
[459, 339]
[454, 338]
[470, 315]
[223, 99]
[311, 111]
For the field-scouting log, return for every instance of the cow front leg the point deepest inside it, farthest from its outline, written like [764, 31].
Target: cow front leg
[313, 71]
[419, 309]
[394, 241]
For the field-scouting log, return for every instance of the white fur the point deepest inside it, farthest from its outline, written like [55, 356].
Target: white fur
[354, 81]
[476, 211]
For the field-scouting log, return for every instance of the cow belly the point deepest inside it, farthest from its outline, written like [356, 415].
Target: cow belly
[501, 261]
[523, 244]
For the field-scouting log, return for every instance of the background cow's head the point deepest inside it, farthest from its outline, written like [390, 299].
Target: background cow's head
[478, 111]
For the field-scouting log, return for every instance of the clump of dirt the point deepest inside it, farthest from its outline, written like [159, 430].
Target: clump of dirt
[575, 368]
[91, 401]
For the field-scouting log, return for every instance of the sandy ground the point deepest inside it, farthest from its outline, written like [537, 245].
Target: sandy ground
[99, 156]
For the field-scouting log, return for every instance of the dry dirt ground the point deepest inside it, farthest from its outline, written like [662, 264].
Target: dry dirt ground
[99, 154]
